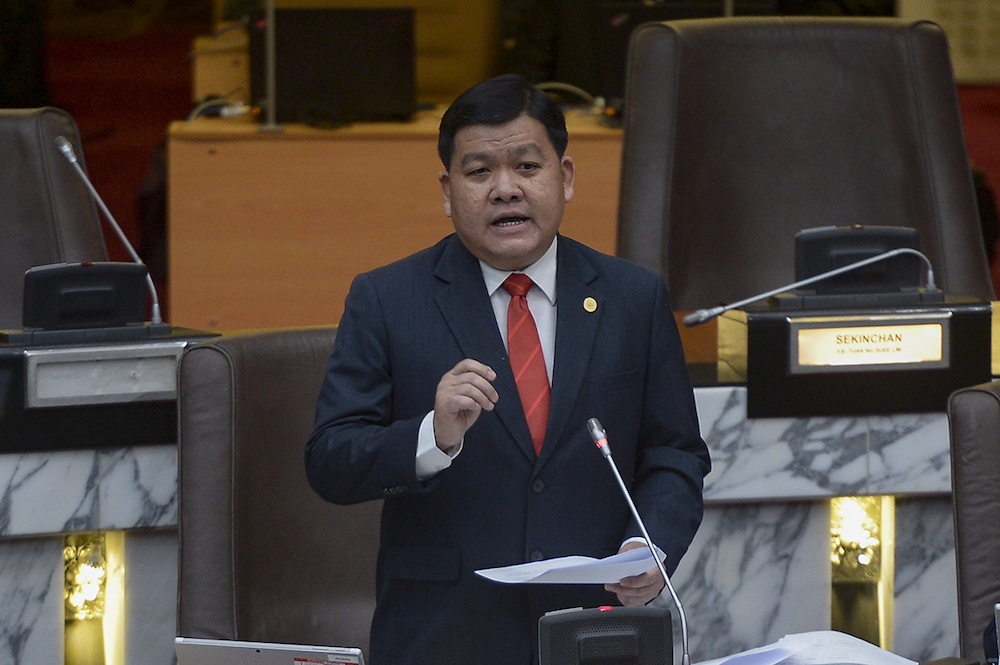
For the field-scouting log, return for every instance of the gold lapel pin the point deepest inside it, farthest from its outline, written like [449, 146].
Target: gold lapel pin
[590, 304]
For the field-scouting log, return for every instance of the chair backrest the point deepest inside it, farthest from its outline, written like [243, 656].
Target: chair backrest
[46, 213]
[262, 557]
[974, 421]
[740, 132]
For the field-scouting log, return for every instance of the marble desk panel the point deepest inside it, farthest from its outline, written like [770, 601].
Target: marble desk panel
[759, 567]
[767, 459]
[31, 601]
[88, 490]
[771, 459]
[758, 571]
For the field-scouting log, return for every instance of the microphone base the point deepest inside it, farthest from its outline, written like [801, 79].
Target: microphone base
[609, 634]
[909, 297]
[129, 333]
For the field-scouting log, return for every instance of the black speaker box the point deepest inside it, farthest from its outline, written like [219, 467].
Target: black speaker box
[337, 65]
[606, 636]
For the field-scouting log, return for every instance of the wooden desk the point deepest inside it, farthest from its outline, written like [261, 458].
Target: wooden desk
[269, 229]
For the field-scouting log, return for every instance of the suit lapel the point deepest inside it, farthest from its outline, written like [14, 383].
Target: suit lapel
[466, 308]
[576, 331]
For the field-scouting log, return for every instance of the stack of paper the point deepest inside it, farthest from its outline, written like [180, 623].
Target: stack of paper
[824, 647]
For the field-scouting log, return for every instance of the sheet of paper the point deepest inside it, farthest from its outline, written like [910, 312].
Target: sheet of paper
[576, 569]
[827, 646]
[821, 647]
[769, 655]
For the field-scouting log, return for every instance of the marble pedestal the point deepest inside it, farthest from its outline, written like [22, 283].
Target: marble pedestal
[759, 567]
[47, 495]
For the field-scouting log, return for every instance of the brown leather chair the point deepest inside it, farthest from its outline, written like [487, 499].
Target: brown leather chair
[46, 213]
[974, 421]
[262, 557]
[740, 132]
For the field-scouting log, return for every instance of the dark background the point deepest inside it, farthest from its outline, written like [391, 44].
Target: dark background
[123, 69]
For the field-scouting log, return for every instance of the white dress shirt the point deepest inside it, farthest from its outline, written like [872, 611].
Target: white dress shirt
[431, 460]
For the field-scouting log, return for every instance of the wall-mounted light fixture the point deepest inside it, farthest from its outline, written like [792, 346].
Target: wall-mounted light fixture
[862, 533]
[93, 593]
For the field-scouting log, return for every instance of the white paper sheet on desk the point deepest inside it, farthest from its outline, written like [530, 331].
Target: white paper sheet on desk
[821, 647]
[576, 569]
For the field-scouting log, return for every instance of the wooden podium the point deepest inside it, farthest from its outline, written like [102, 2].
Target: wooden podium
[269, 229]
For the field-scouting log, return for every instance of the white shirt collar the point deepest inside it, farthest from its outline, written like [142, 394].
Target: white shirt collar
[542, 272]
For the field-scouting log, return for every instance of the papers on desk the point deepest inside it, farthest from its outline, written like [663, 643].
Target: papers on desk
[576, 569]
[824, 647]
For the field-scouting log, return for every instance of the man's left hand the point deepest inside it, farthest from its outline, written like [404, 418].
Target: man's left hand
[638, 589]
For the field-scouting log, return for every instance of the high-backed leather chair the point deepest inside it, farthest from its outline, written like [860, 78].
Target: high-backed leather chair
[740, 132]
[974, 420]
[46, 213]
[262, 557]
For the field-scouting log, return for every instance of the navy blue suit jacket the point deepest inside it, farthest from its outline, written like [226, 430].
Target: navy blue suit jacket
[404, 326]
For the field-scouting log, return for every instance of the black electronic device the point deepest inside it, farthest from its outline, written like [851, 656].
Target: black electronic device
[337, 65]
[67, 296]
[606, 636]
[600, 438]
[827, 248]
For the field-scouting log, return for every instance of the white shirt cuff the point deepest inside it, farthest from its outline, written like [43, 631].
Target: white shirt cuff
[431, 460]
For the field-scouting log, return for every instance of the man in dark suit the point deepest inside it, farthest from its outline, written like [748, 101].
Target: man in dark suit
[478, 467]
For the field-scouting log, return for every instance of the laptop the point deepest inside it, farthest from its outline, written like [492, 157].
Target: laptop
[197, 651]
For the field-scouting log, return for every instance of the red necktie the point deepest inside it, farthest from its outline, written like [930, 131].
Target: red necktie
[526, 358]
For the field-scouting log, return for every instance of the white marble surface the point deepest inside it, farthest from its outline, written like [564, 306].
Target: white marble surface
[926, 600]
[766, 459]
[31, 601]
[753, 574]
[812, 458]
[88, 490]
[151, 600]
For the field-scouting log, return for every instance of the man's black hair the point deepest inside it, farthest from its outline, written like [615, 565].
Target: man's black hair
[497, 101]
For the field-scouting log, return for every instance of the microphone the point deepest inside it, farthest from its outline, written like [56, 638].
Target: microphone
[708, 314]
[600, 437]
[66, 148]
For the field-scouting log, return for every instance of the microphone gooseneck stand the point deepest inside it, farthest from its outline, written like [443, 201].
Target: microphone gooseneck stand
[600, 438]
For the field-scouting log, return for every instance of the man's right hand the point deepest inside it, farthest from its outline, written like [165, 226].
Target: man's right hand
[462, 394]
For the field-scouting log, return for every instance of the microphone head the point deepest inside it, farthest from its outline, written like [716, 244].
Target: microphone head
[702, 315]
[599, 436]
[66, 148]
[694, 318]
[597, 432]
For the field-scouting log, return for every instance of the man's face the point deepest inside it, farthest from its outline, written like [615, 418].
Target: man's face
[506, 190]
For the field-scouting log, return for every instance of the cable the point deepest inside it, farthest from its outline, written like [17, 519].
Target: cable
[228, 109]
[567, 87]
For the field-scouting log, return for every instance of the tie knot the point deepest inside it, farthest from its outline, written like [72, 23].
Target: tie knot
[518, 284]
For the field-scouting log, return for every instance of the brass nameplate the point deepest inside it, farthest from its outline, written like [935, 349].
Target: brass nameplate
[877, 342]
